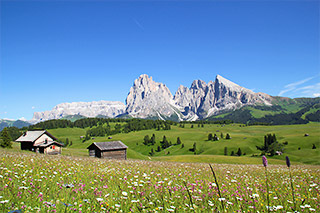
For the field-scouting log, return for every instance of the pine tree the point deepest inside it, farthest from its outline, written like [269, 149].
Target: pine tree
[314, 146]
[164, 143]
[151, 153]
[228, 136]
[221, 135]
[178, 141]
[194, 147]
[210, 137]
[232, 153]
[158, 149]
[146, 140]
[153, 139]
[6, 139]
[225, 150]
[239, 153]
[182, 146]
[215, 138]
[192, 126]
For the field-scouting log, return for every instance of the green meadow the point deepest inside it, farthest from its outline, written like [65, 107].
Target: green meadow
[299, 147]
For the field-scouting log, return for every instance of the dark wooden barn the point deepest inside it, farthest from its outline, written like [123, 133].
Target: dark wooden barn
[109, 150]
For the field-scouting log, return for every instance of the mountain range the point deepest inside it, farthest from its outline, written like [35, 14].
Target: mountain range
[218, 99]
[149, 99]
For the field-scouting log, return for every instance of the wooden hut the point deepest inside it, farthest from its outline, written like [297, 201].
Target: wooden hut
[40, 141]
[110, 150]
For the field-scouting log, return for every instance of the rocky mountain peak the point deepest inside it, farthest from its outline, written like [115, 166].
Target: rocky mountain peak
[144, 80]
[148, 98]
[198, 84]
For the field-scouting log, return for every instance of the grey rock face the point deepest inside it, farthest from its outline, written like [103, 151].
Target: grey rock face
[148, 99]
[88, 109]
[204, 100]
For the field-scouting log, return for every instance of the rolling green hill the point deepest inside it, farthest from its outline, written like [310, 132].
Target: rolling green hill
[284, 111]
[246, 138]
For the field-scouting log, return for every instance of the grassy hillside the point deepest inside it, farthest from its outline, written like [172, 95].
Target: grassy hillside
[244, 137]
[284, 111]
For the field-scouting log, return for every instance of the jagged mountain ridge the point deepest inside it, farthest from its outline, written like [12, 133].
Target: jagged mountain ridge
[87, 109]
[150, 99]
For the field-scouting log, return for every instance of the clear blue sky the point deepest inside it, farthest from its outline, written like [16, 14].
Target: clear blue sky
[64, 51]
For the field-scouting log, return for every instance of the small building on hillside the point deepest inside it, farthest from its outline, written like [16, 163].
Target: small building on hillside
[109, 150]
[40, 141]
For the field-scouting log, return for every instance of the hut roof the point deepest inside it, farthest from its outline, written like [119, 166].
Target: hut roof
[49, 143]
[31, 136]
[112, 145]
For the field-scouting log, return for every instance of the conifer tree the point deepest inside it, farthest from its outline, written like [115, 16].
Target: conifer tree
[228, 136]
[215, 138]
[178, 141]
[153, 139]
[146, 140]
[6, 139]
[151, 153]
[194, 147]
[239, 153]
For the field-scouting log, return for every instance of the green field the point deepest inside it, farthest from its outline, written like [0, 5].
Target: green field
[244, 137]
[33, 182]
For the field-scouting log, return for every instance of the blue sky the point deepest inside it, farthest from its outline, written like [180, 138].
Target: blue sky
[65, 51]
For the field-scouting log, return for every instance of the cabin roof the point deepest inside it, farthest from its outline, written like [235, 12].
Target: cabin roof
[49, 143]
[105, 146]
[32, 136]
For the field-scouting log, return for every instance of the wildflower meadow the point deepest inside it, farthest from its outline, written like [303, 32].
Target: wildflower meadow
[32, 182]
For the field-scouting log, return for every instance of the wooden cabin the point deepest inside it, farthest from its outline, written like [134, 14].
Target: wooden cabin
[40, 141]
[109, 150]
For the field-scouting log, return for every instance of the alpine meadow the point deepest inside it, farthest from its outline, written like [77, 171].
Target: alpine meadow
[159, 106]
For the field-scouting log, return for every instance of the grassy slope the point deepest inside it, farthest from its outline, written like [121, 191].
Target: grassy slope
[244, 137]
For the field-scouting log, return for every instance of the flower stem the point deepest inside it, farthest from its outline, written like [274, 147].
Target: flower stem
[268, 207]
[294, 202]
[215, 180]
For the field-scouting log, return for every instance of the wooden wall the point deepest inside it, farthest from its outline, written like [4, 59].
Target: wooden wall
[49, 150]
[115, 154]
[26, 146]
